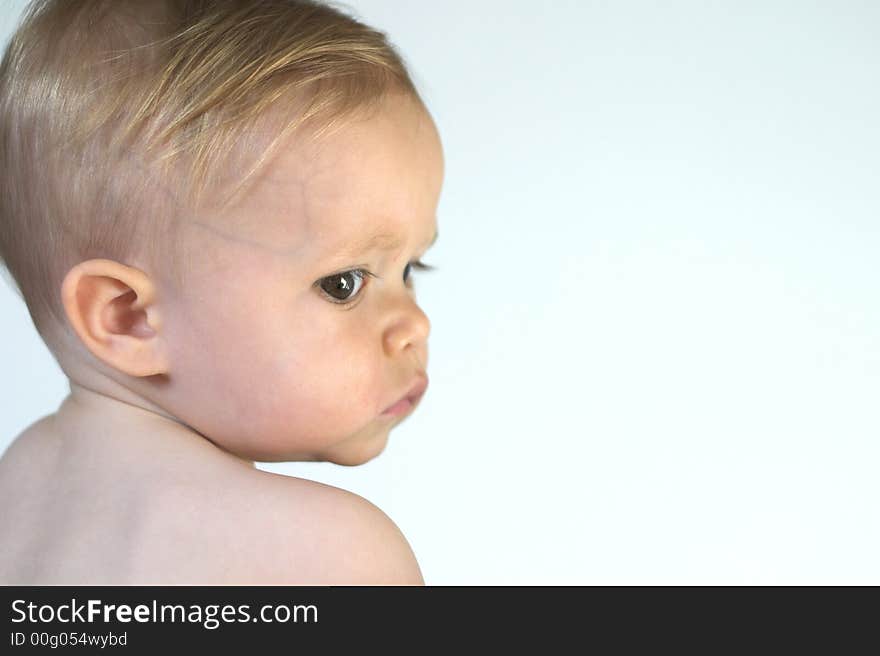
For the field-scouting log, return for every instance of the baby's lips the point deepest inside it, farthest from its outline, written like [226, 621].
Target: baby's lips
[416, 390]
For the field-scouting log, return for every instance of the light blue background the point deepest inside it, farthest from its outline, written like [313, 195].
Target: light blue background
[655, 353]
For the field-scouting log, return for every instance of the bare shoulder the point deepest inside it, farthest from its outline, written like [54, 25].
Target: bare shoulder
[189, 522]
[317, 534]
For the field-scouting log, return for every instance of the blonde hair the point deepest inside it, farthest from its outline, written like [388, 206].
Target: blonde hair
[119, 116]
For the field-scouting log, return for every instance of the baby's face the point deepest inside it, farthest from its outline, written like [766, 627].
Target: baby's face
[299, 324]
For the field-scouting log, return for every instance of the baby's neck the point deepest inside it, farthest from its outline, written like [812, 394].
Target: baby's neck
[95, 422]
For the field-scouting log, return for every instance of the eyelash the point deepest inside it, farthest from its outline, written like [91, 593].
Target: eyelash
[418, 265]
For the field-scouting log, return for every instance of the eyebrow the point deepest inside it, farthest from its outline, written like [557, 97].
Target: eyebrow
[382, 241]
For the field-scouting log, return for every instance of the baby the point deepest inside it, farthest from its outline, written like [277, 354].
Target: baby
[213, 211]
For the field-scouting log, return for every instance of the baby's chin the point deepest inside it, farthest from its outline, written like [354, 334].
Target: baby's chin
[355, 450]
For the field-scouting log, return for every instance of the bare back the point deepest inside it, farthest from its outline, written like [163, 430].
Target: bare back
[86, 519]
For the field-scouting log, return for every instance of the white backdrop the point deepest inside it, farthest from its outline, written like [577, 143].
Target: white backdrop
[655, 353]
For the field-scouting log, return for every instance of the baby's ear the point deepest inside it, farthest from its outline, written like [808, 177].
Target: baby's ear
[112, 308]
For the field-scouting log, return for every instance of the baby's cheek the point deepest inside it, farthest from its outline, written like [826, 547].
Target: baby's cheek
[338, 387]
[329, 395]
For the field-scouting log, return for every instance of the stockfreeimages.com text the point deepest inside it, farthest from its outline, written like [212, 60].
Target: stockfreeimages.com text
[210, 616]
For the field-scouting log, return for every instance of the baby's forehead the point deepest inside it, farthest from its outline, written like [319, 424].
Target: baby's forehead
[365, 180]
[364, 159]
[324, 200]
[362, 177]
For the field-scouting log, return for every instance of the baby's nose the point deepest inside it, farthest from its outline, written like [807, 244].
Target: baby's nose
[408, 329]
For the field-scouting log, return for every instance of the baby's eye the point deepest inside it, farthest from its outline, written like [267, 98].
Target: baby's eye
[418, 265]
[343, 287]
